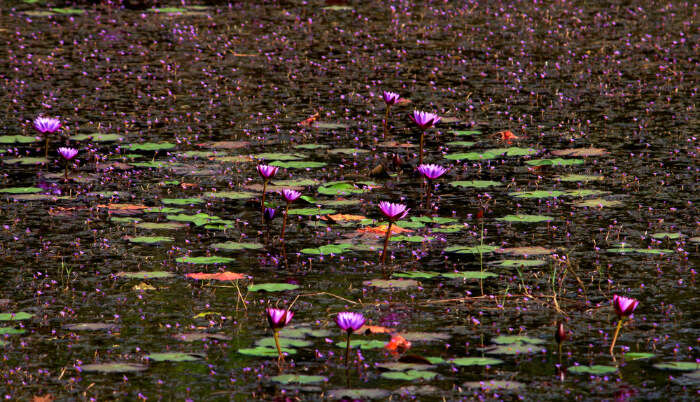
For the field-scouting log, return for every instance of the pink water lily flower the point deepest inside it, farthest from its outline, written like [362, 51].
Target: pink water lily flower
[393, 211]
[267, 171]
[349, 321]
[624, 306]
[431, 172]
[46, 124]
[290, 195]
[67, 153]
[390, 97]
[424, 120]
[278, 318]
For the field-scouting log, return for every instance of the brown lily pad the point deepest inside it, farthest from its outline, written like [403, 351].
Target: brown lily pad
[580, 152]
[392, 283]
[532, 250]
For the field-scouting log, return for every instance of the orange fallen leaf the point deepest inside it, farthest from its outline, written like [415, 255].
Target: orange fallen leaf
[374, 329]
[185, 186]
[122, 207]
[403, 101]
[345, 217]
[398, 344]
[381, 229]
[507, 136]
[221, 276]
[310, 120]
[43, 398]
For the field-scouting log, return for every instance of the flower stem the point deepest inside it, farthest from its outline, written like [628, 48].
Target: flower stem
[617, 332]
[427, 197]
[284, 222]
[386, 119]
[277, 343]
[46, 151]
[420, 154]
[386, 242]
[347, 351]
[65, 175]
[262, 202]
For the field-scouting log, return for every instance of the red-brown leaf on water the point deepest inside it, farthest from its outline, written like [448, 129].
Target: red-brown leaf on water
[381, 229]
[122, 207]
[374, 329]
[310, 120]
[43, 398]
[346, 217]
[403, 101]
[507, 136]
[220, 276]
[398, 344]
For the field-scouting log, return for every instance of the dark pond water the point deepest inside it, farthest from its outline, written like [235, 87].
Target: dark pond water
[568, 131]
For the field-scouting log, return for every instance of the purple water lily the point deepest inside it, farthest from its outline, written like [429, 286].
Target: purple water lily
[390, 97]
[393, 212]
[349, 322]
[266, 172]
[67, 154]
[46, 126]
[278, 319]
[269, 215]
[424, 120]
[624, 307]
[290, 196]
[431, 172]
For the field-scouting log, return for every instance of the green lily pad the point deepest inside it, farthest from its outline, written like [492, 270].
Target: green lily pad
[302, 332]
[230, 195]
[152, 164]
[435, 360]
[310, 211]
[198, 219]
[329, 126]
[469, 275]
[151, 239]
[661, 235]
[638, 355]
[272, 287]
[537, 194]
[125, 219]
[433, 219]
[168, 10]
[67, 11]
[579, 178]
[298, 379]
[582, 192]
[594, 370]
[488, 385]
[476, 183]
[475, 361]
[328, 249]
[279, 156]
[17, 139]
[448, 229]
[149, 146]
[598, 203]
[163, 210]
[19, 316]
[348, 151]
[338, 8]
[262, 351]
[181, 201]
[654, 251]
[416, 275]
[526, 218]
[20, 190]
[295, 183]
[172, 357]
[161, 225]
[410, 375]
[397, 366]
[345, 188]
[363, 344]
[517, 348]
[358, 394]
[145, 275]
[471, 249]
[311, 146]
[39, 13]
[11, 331]
[197, 154]
[232, 246]
[284, 343]
[97, 137]
[426, 336]
[113, 367]
[681, 366]
[391, 283]
[460, 143]
[555, 162]
[298, 164]
[465, 132]
[411, 239]
[25, 161]
[205, 260]
[90, 326]
[510, 339]
[520, 263]
[492, 153]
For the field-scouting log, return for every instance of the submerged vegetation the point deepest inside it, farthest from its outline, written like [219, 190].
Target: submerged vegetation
[146, 152]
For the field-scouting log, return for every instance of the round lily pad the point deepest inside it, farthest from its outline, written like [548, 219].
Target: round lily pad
[475, 361]
[471, 249]
[145, 275]
[594, 370]
[469, 275]
[272, 287]
[232, 246]
[298, 379]
[410, 375]
[416, 275]
[298, 164]
[172, 357]
[425, 336]
[681, 366]
[161, 225]
[537, 194]
[301, 332]
[345, 188]
[487, 385]
[358, 394]
[199, 336]
[279, 156]
[579, 178]
[509, 339]
[328, 249]
[25, 161]
[598, 203]
[113, 367]
[666, 235]
[398, 366]
[391, 283]
[205, 260]
[363, 344]
[310, 211]
[11, 331]
[90, 326]
[284, 343]
[97, 137]
[149, 146]
[18, 139]
[19, 316]
[21, 190]
[181, 201]
[231, 195]
[638, 355]
[520, 263]
[526, 218]
[151, 239]
[475, 183]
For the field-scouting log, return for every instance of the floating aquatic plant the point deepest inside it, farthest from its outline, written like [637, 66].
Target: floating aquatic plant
[47, 126]
[624, 307]
[349, 322]
[278, 319]
[289, 196]
[424, 120]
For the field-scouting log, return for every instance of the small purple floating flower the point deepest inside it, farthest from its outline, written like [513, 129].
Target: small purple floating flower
[393, 211]
[68, 153]
[267, 171]
[624, 306]
[349, 321]
[278, 318]
[390, 97]
[431, 172]
[46, 124]
[424, 120]
[269, 215]
[290, 195]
